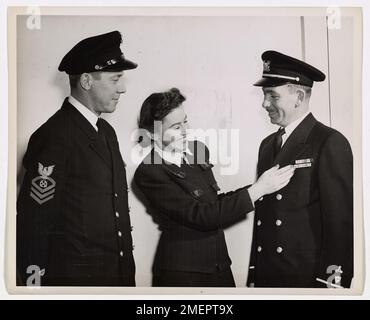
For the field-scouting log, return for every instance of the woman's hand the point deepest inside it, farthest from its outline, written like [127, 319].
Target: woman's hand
[271, 181]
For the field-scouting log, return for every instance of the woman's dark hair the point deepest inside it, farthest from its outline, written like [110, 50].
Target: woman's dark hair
[157, 106]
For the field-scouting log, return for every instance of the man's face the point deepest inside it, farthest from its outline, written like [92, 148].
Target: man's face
[280, 103]
[105, 91]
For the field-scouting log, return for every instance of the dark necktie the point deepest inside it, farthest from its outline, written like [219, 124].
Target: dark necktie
[184, 159]
[100, 125]
[102, 133]
[278, 140]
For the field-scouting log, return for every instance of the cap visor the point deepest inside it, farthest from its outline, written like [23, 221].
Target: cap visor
[122, 65]
[129, 65]
[270, 82]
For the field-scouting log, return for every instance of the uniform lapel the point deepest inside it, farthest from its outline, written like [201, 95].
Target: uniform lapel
[172, 169]
[266, 157]
[96, 143]
[117, 163]
[100, 148]
[296, 144]
[175, 170]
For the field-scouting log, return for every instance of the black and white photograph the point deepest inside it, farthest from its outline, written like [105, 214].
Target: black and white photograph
[194, 150]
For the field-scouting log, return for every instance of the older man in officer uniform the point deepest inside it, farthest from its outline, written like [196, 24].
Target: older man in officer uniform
[73, 220]
[303, 234]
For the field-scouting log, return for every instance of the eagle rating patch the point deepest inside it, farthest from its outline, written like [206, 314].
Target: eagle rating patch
[43, 186]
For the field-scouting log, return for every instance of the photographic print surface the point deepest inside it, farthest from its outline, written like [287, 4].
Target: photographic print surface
[93, 215]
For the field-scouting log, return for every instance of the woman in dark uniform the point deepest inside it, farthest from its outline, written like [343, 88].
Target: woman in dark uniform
[182, 193]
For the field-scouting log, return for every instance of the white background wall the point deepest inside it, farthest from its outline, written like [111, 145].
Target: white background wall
[214, 61]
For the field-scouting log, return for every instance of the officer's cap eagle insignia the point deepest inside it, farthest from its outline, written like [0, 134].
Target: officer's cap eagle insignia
[266, 66]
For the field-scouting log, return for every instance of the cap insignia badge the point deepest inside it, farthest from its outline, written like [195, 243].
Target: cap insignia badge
[266, 66]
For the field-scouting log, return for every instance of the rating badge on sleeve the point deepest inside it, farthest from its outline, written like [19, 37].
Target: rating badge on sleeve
[43, 186]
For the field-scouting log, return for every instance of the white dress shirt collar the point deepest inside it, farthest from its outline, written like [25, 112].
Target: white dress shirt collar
[172, 157]
[88, 114]
[291, 127]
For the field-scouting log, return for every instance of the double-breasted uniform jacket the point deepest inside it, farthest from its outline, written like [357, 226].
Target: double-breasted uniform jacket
[72, 210]
[307, 226]
[185, 203]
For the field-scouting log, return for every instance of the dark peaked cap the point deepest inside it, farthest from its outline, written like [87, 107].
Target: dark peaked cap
[98, 53]
[279, 69]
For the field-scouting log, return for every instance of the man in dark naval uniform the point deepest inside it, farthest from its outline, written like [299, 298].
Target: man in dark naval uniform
[303, 234]
[73, 223]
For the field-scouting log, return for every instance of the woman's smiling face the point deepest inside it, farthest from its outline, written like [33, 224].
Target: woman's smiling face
[174, 127]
